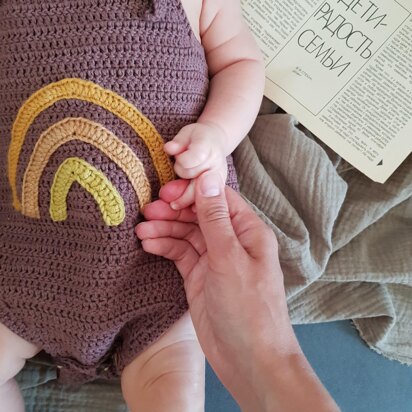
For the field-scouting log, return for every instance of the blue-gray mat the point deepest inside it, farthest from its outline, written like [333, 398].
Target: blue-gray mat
[359, 379]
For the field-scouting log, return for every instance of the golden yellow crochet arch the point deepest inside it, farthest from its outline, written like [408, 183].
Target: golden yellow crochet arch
[74, 128]
[94, 181]
[93, 93]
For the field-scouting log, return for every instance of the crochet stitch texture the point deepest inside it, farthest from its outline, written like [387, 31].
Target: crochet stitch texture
[89, 92]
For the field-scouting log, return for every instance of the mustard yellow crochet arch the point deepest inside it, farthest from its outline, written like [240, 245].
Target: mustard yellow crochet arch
[74, 169]
[73, 88]
[78, 128]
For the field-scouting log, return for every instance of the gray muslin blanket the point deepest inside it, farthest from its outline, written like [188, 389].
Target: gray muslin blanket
[345, 242]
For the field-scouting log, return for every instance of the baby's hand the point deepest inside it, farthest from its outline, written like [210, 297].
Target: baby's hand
[198, 147]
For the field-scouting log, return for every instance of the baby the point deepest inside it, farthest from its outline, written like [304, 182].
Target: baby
[95, 95]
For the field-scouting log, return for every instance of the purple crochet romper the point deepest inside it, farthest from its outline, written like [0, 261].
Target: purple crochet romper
[89, 92]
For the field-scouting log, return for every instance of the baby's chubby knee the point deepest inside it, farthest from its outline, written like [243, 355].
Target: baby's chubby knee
[171, 379]
[169, 375]
[13, 354]
[180, 363]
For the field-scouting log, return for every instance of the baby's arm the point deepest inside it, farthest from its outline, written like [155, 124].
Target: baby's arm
[237, 78]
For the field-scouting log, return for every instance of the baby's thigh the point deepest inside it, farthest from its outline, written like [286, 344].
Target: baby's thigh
[14, 351]
[170, 372]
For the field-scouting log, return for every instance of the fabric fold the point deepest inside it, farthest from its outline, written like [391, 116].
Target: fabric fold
[345, 242]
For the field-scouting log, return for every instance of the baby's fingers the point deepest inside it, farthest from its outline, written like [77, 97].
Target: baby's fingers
[180, 142]
[187, 198]
[173, 148]
[196, 154]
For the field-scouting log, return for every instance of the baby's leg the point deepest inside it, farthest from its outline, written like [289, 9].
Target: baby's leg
[169, 375]
[13, 354]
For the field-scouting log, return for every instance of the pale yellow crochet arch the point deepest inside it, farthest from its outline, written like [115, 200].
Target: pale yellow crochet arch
[93, 93]
[74, 128]
[94, 181]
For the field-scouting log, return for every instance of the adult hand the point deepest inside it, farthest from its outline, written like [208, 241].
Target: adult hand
[228, 259]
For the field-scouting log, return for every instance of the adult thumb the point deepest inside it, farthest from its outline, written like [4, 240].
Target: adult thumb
[213, 214]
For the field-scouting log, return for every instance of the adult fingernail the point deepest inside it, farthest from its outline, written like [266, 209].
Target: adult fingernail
[210, 184]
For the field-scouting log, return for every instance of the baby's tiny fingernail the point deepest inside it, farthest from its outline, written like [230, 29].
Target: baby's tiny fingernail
[174, 206]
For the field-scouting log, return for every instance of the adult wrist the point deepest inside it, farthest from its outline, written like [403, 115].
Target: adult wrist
[284, 381]
[272, 370]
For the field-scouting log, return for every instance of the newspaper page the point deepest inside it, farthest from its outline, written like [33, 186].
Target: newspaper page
[343, 68]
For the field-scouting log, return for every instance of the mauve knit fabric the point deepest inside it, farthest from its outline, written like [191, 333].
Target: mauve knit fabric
[83, 291]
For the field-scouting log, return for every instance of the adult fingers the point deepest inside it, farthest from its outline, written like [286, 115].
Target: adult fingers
[254, 235]
[187, 199]
[169, 229]
[173, 190]
[214, 218]
[161, 210]
[179, 251]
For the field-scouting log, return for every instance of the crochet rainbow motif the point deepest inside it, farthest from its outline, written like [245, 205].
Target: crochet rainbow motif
[75, 169]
